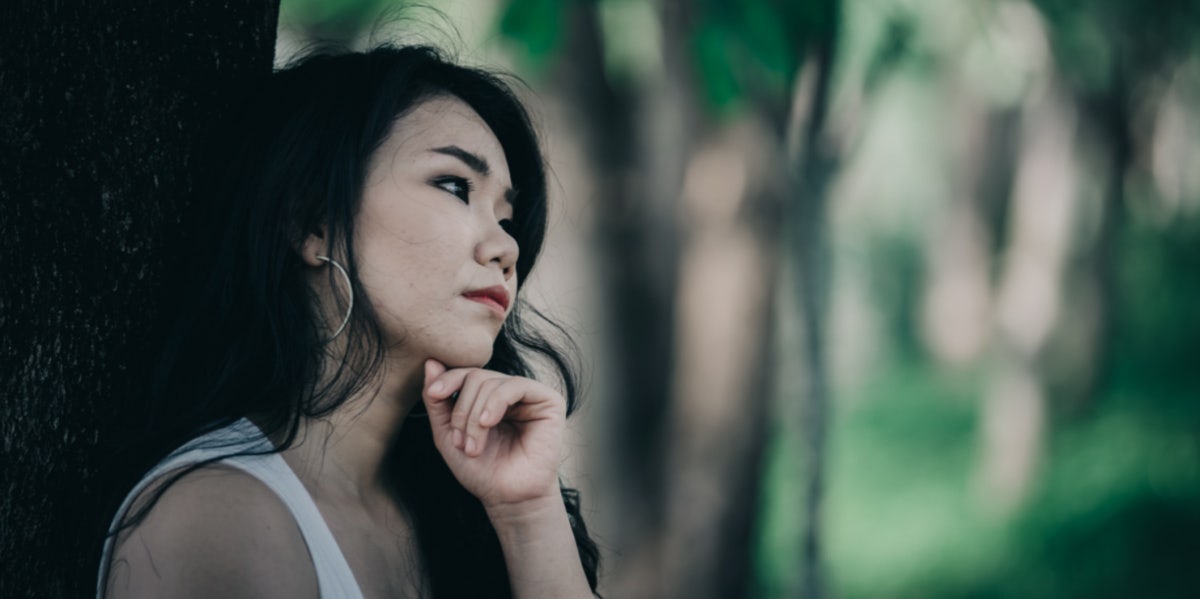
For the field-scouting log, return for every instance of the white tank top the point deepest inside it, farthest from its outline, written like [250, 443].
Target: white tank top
[334, 577]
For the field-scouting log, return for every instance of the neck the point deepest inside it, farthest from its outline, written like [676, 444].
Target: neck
[343, 455]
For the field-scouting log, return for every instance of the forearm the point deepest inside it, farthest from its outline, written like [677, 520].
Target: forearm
[539, 550]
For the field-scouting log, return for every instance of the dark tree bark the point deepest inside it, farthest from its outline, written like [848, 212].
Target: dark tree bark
[806, 219]
[101, 103]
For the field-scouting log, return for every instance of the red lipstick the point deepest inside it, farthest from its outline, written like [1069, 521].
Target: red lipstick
[495, 297]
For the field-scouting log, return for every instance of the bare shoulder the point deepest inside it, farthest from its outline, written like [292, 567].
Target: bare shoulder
[216, 532]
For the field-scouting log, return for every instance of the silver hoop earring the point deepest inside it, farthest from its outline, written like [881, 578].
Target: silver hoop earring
[349, 289]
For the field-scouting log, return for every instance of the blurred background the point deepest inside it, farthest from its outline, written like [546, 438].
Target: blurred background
[875, 298]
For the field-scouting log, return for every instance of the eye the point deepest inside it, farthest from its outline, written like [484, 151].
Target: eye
[457, 186]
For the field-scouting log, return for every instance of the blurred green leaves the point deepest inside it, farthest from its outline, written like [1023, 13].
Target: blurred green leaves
[740, 51]
[535, 26]
[752, 50]
[1114, 506]
[1090, 35]
[1158, 334]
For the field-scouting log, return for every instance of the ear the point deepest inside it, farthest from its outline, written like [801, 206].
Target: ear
[314, 245]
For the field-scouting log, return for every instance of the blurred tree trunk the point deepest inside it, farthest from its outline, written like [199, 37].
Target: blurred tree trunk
[1031, 298]
[687, 528]
[815, 159]
[718, 420]
[964, 248]
[694, 313]
[1113, 119]
[100, 106]
[1110, 92]
[636, 198]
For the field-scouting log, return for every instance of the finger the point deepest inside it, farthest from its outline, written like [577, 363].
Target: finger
[468, 394]
[445, 382]
[442, 384]
[496, 406]
[476, 434]
[438, 410]
[534, 402]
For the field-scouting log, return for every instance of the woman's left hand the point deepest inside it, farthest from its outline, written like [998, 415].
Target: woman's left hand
[501, 436]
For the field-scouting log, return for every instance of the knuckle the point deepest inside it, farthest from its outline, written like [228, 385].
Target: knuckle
[459, 414]
[514, 384]
[495, 384]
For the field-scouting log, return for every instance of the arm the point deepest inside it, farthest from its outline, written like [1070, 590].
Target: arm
[217, 532]
[539, 549]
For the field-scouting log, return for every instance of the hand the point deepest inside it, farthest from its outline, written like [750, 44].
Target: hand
[501, 436]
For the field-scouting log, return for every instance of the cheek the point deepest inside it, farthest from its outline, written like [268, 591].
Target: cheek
[418, 236]
[405, 279]
[392, 243]
[411, 251]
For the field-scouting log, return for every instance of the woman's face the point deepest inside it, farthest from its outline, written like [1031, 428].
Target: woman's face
[434, 254]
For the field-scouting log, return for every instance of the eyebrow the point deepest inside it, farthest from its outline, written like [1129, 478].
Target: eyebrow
[476, 163]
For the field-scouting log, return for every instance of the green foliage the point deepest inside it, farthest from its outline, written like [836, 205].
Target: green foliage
[536, 27]
[714, 55]
[750, 51]
[1114, 512]
[901, 458]
[1157, 337]
[782, 515]
[1090, 35]
[742, 51]
[1114, 509]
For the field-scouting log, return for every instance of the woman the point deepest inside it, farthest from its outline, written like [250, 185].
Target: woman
[352, 372]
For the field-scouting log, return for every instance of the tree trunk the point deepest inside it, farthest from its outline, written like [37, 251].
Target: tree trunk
[1030, 299]
[814, 163]
[638, 239]
[718, 419]
[1114, 121]
[101, 103]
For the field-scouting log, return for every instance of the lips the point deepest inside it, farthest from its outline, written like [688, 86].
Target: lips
[495, 297]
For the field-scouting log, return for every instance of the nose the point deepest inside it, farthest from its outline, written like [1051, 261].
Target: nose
[499, 248]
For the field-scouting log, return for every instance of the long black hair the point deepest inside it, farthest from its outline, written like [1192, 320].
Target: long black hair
[292, 161]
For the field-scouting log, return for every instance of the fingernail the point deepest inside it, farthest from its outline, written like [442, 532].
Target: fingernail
[483, 416]
[470, 445]
[436, 387]
[458, 438]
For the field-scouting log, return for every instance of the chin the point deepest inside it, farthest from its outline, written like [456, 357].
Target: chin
[465, 357]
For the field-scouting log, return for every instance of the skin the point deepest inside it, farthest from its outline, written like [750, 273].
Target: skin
[430, 227]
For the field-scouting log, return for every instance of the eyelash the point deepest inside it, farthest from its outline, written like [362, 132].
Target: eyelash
[464, 194]
[465, 184]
